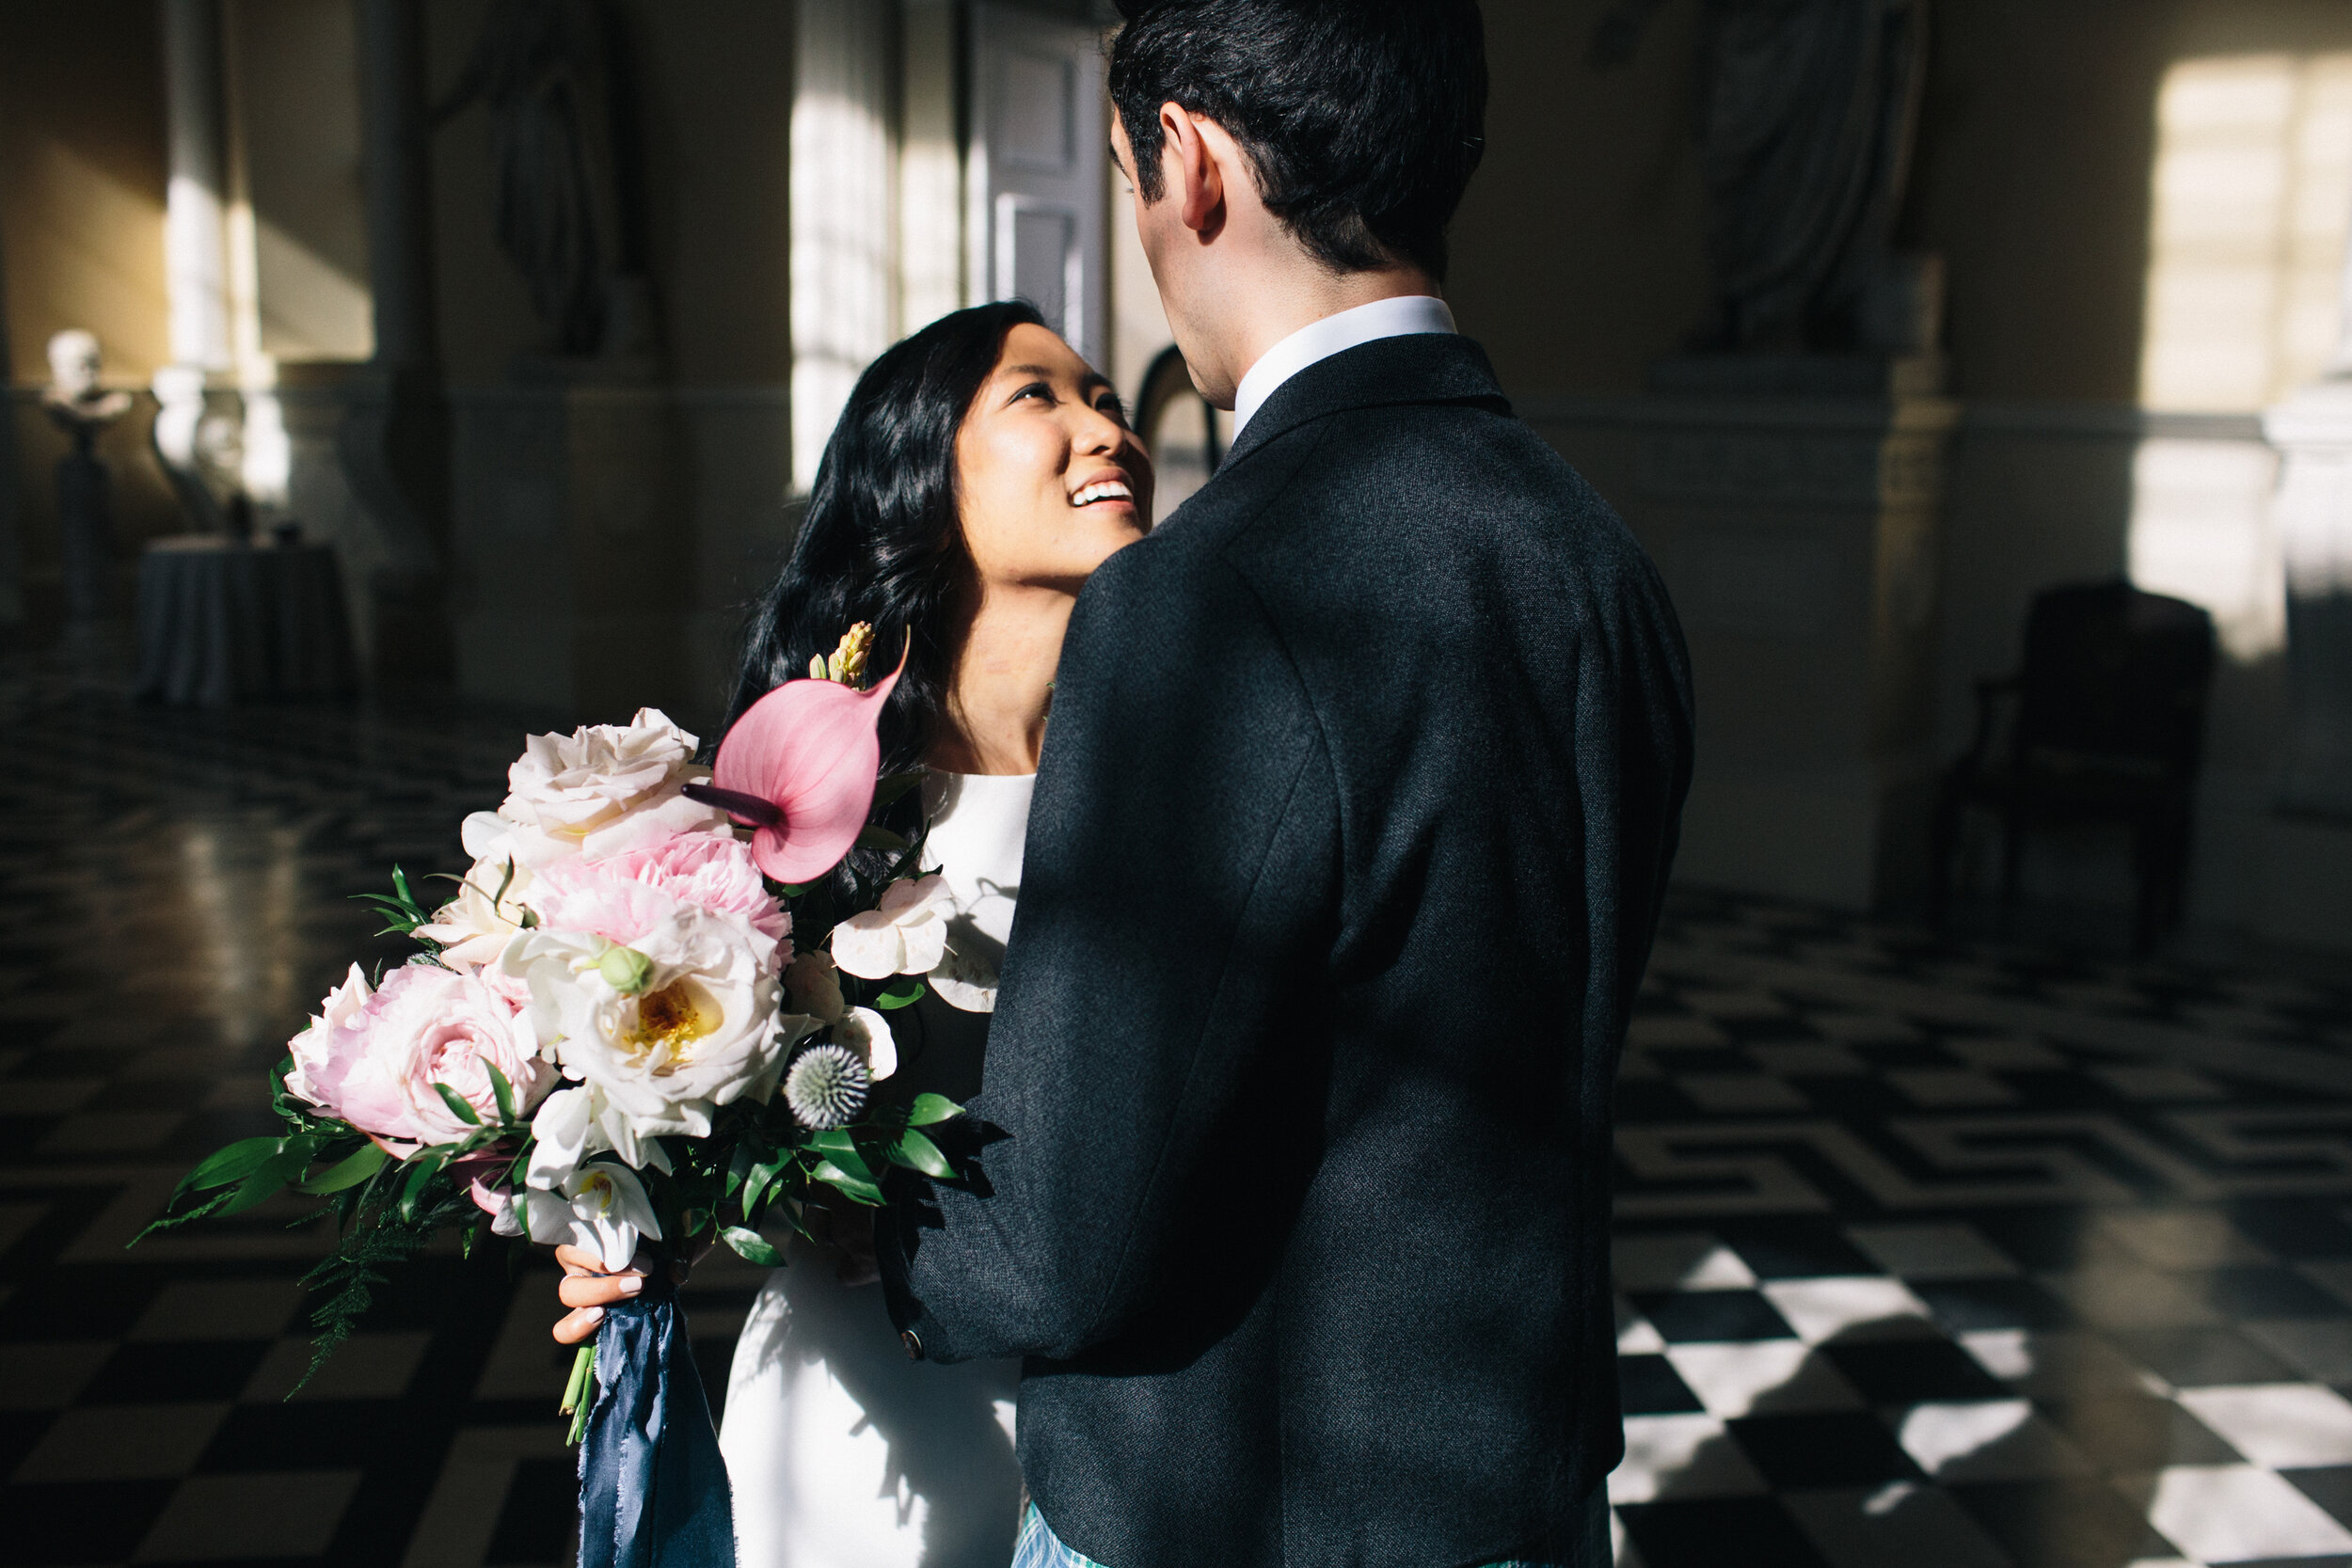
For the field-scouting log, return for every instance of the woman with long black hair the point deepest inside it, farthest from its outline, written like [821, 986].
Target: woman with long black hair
[978, 475]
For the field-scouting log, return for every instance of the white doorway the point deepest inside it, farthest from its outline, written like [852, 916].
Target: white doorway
[1038, 169]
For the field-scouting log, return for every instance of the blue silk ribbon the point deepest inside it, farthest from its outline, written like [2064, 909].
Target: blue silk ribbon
[652, 1486]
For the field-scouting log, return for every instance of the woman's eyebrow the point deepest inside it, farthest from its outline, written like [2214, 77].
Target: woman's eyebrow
[1028, 369]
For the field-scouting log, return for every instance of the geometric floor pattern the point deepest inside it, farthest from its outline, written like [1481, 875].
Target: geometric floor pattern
[1955, 1257]
[1935, 1254]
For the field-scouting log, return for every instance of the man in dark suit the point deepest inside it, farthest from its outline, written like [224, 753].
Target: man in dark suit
[1350, 838]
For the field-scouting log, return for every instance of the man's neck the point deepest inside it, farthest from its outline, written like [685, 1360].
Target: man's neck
[1265, 309]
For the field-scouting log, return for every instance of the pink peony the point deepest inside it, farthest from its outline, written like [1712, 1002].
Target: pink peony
[374, 1064]
[707, 870]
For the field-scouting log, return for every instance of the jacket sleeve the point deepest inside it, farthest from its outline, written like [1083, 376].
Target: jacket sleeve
[1179, 891]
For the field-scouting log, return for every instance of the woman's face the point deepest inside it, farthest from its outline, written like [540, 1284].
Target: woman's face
[1052, 480]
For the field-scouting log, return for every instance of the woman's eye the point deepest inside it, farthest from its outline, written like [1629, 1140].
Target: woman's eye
[1034, 389]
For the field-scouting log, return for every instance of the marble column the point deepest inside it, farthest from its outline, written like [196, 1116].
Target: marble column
[395, 442]
[2312, 432]
[195, 251]
[2307, 879]
[11, 480]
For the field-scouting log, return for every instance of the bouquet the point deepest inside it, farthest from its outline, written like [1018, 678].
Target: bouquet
[611, 1036]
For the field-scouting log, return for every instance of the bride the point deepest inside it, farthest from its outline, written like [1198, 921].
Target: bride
[979, 474]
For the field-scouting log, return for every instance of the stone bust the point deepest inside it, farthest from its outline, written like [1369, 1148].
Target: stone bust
[75, 398]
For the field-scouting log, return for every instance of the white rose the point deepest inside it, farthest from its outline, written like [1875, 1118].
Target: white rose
[600, 790]
[667, 1026]
[906, 934]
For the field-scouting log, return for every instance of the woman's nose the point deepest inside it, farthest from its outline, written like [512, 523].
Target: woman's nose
[1098, 432]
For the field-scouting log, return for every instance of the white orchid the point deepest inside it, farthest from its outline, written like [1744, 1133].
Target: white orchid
[474, 927]
[867, 1033]
[599, 1208]
[905, 934]
[574, 1125]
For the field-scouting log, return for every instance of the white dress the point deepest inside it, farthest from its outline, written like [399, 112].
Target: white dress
[842, 1452]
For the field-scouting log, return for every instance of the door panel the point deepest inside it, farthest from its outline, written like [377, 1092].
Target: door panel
[1038, 169]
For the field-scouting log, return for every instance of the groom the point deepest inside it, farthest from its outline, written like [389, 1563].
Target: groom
[1348, 844]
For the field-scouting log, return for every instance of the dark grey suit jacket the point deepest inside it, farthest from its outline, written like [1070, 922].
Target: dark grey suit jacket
[1354, 818]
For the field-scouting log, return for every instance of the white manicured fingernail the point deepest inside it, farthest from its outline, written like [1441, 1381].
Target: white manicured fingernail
[629, 1284]
[591, 1316]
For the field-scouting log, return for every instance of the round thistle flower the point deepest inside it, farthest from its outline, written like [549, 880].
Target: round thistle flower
[826, 1087]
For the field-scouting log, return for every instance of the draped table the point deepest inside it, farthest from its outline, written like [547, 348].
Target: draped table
[222, 621]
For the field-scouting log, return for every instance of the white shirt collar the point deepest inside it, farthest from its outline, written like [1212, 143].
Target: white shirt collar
[1382, 318]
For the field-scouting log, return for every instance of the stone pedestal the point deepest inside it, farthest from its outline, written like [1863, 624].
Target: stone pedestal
[575, 545]
[85, 533]
[2309, 883]
[1794, 506]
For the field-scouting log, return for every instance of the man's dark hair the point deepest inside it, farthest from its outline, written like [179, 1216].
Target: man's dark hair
[1365, 117]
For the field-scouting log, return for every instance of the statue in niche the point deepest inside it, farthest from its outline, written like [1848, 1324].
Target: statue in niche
[553, 77]
[1807, 112]
[78, 402]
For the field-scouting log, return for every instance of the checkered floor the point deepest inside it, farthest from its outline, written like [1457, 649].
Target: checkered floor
[1957, 1258]
[1932, 1254]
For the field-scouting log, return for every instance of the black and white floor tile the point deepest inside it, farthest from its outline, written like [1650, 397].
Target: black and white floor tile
[1946, 1255]
[1960, 1256]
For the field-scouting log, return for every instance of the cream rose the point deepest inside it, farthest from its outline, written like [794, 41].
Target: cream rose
[601, 790]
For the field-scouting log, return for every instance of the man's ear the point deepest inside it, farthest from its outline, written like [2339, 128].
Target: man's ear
[1190, 170]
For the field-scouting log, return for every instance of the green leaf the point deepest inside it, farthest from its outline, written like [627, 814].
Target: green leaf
[752, 1247]
[837, 1145]
[904, 991]
[918, 1152]
[457, 1106]
[348, 1172]
[891, 787]
[234, 1163]
[757, 1185]
[880, 838]
[930, 1108]
[264, 1182]
[422, 1169]
[503, 1089]
[791, 890]
[856, 1187]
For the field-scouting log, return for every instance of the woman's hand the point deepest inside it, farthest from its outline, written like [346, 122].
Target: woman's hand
[588, 1290]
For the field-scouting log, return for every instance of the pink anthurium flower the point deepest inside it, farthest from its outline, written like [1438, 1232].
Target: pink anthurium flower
[800, 768]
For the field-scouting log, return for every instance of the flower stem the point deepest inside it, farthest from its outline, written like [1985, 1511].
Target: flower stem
[579, 1393]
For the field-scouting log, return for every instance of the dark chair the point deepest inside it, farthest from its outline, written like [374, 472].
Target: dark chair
[2110, 720]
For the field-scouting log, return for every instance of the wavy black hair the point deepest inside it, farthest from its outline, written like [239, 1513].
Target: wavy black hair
[881, 540]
